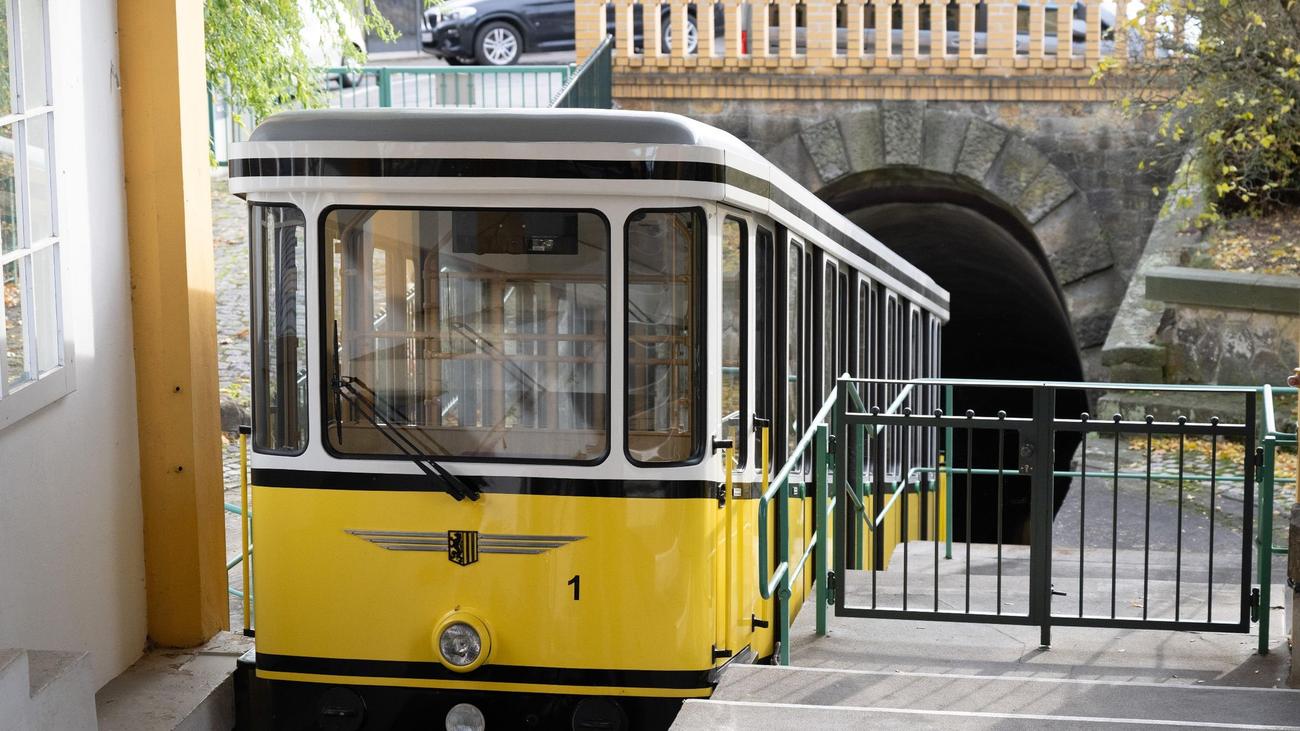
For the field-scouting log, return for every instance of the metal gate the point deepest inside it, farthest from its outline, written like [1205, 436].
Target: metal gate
[1020, 507]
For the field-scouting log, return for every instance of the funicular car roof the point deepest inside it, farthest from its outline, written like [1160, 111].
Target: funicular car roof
[509, 125]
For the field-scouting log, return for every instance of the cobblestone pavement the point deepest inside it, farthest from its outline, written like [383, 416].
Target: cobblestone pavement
[230, 258]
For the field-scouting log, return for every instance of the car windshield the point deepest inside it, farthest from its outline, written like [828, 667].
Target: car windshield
[484, 333]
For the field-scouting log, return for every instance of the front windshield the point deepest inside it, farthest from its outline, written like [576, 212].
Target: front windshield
[484, 331]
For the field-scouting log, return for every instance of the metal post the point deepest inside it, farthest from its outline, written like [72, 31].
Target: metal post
[783, 552]
[385, 82]
[243, 525]
[1264, 540]
[947, 473]
[820, 454]
[1037, 455]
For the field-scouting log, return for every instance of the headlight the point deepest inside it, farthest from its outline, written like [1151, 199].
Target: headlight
[465, 717]
[460, 13]
[460, 644]
[462, 641]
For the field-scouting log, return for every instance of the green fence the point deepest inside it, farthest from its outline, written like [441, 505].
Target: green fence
[412, 87]
[775, 582]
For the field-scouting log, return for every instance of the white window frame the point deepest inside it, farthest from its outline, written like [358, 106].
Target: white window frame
[21, 399]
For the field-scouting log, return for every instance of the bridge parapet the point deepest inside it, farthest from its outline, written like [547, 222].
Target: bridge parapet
[984, 48]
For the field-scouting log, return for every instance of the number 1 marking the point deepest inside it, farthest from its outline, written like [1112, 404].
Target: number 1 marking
[575, 582]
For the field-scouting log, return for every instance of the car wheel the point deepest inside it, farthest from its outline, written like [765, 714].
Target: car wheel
[692, 36]
[499, 44]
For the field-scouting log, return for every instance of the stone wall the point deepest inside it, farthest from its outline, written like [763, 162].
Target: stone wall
[1067, 172]
[1228, 328]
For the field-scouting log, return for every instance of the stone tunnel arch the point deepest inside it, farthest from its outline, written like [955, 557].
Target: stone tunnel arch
[1034, 285]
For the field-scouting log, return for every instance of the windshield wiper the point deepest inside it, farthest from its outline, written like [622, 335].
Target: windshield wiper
[410, 442]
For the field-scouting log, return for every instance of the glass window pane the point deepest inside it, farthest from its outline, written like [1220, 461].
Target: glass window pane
[662, 334]
[829, 334]
[471, 333]
[31, 23]
[9, 235]
[11, 284]
[734, 329]
[6, 83]
[39, 178]
[45, 308]
[279, 329]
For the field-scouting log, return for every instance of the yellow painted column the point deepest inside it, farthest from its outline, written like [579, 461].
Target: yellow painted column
[169, 227]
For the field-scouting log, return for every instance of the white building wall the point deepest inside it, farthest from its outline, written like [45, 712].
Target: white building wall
[71, 533]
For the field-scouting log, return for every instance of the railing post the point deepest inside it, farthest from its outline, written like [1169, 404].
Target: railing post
[1001, 36]
[788, 45]
[1092, 39]
[938, 31]
[820, 35]
[884, 31]
[706, 30]
[854, 15]
[911, 31]
[1037, 30]
[1264, 539]
[783, 555]
[1065, 34]
[947, 473]
[680, 20]
[1038, 456]
[652, 43]
[966, 32]
[821, 452]
[1121, 30]
[384, 80]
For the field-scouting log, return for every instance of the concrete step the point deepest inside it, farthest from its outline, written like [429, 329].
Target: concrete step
[766, 697]
[42, 690]
[62, 691]
[15, 689]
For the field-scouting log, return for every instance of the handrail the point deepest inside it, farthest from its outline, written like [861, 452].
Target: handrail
[585, 79]
[1270, 423]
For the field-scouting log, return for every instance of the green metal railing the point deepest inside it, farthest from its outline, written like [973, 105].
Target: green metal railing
[427, 87]
[1265, 548]
[817, 436]
[245, 557]
[592, 86]
[815, 444]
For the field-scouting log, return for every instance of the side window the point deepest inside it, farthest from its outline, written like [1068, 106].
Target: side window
[915, 369]
[893, 359]
[663, 335]
[735, 334]
[279, 329]
[793, 334]
[866, 356]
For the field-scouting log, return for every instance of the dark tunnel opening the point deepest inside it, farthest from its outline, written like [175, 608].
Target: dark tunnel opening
[1008, 322]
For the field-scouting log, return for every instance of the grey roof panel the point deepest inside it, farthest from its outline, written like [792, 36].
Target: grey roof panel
[516, 125]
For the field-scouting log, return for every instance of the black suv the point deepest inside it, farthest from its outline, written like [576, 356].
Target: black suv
[497, 32]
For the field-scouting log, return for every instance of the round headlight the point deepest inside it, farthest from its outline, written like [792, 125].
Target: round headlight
[460, 644]
[465, 717]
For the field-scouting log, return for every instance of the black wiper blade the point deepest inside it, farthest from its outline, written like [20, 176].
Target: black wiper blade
[368, 404]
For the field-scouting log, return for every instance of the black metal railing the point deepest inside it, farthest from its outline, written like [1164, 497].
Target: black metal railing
[1151, 524]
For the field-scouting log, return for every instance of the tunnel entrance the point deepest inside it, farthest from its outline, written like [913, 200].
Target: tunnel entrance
[1009, 319]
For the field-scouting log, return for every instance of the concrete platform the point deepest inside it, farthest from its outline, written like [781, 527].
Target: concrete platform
[903, 674]
[167, 689]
